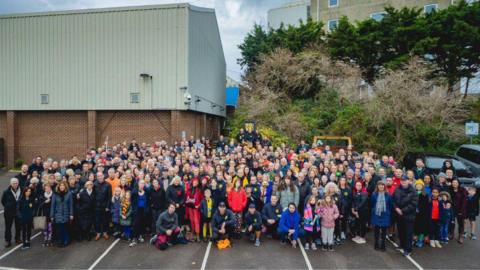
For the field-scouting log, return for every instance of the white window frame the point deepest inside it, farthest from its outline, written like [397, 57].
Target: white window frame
[328, 24]
[331, 6]
[429, 5]
[378, 13]
[44, 99]
[132, 98]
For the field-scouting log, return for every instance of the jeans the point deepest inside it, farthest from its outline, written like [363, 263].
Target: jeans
[9, 220]
[284, 235]
[444, 231]
[101, 221]
[361, 225]
[380, 236]
[26, 232]
[405, 233]
[61, 233]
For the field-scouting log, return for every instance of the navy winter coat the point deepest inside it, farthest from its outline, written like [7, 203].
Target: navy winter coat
[384, 219]
[62, 207]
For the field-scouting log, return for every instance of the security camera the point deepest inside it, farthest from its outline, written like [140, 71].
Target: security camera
[188, 98]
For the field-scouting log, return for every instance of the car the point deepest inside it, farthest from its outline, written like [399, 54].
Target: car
[434, 164]
[470, 155]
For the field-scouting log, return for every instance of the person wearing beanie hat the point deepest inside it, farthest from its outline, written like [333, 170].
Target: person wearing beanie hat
[422, 218]
[253, 224]
[405, 200]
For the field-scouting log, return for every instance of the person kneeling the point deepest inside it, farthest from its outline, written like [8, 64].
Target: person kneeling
[223, 223]
[289, 225]
[253, 222]
[167, 228]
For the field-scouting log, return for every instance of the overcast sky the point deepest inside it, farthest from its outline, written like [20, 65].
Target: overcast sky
[235, 17]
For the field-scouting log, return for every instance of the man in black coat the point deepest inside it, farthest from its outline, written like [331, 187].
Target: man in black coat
[36, 166]
[405, 200]
[158, 200]
[102, 192]
[23, 177]
[304, 190]
[271, 214]
[86, 210]
[223, 223]
[10, 201]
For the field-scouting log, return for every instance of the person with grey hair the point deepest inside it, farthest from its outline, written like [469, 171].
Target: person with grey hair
[10, 201]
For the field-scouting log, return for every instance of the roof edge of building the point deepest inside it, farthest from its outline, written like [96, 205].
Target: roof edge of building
[106, 10]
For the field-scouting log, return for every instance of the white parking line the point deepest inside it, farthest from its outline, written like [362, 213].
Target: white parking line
[419, 267]
[103, 254]
[17, 247]
[307, 261]
[205, 258]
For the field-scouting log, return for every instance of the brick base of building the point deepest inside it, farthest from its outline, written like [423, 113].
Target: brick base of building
[61, 134]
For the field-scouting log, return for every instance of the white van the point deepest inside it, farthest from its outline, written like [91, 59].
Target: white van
[470, 155]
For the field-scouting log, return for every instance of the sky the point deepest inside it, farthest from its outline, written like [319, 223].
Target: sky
[235, 17]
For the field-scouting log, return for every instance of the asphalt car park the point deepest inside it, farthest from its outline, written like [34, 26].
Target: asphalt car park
[115, 254]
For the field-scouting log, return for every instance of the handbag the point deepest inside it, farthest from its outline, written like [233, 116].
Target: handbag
[39, 222]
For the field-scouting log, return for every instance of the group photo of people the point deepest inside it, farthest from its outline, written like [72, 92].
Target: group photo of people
[225, 191]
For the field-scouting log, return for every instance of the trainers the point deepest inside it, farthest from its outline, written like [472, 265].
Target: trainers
[307, 246]
[133, 243]
[342, 236]
[257, 242]
[294, 244]
[474, 237]
[406, 253]
[355, 239]
[437, 243]
[152, 240]
[24, 246]
[141, 240]
[361, 240]
[314, 247]
[433, 244]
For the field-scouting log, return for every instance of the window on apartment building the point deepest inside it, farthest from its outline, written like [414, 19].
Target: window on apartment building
[378, 16]
[333, 3]
[135, 98]
[44, 99]
[332, 24]
[430, 8]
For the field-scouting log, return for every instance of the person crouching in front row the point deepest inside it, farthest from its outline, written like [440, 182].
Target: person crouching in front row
[288, 227]
[167, 228]
[223, 223]
[253, 223]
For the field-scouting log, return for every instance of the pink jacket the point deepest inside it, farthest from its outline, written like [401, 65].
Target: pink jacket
[328, 215]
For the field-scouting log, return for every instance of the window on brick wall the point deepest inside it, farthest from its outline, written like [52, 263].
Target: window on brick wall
[134, 97]
[332, 24]
[333, 3]
[44, 99]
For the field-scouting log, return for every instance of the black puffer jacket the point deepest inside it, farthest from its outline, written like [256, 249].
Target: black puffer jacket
[103, 194]
[407, 200]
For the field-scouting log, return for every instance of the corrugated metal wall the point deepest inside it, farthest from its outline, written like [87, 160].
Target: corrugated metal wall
[206, 63]
[92, 60]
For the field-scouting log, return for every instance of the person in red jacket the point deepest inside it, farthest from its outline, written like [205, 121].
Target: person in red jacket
[237, 201]
[397, 178]
[194, 197]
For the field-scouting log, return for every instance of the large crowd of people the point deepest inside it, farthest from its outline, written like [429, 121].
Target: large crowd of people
[196, 190]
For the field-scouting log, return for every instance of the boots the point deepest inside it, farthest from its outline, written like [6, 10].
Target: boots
[330, 248]
[324, 247]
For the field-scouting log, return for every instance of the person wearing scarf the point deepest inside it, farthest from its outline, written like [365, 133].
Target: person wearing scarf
[126, 215]
[46, 204]
[382, 206]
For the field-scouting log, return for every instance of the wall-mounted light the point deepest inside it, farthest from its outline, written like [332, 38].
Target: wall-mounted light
[145, 76]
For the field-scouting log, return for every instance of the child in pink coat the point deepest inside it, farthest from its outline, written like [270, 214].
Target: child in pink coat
[328, 211]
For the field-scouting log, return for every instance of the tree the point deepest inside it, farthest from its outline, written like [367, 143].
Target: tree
[376, 45]
[407, 99]
[452, 42]
[260, 42]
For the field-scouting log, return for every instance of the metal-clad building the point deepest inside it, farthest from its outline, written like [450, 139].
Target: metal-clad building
[289, 14]
[109, 72]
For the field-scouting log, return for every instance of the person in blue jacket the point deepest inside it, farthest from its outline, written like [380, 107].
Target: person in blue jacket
[289, 225]
[382, 206]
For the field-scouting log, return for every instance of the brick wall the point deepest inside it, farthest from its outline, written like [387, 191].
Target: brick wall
[144, 126]
[3, 135]
[62, 134]
[54, 134]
